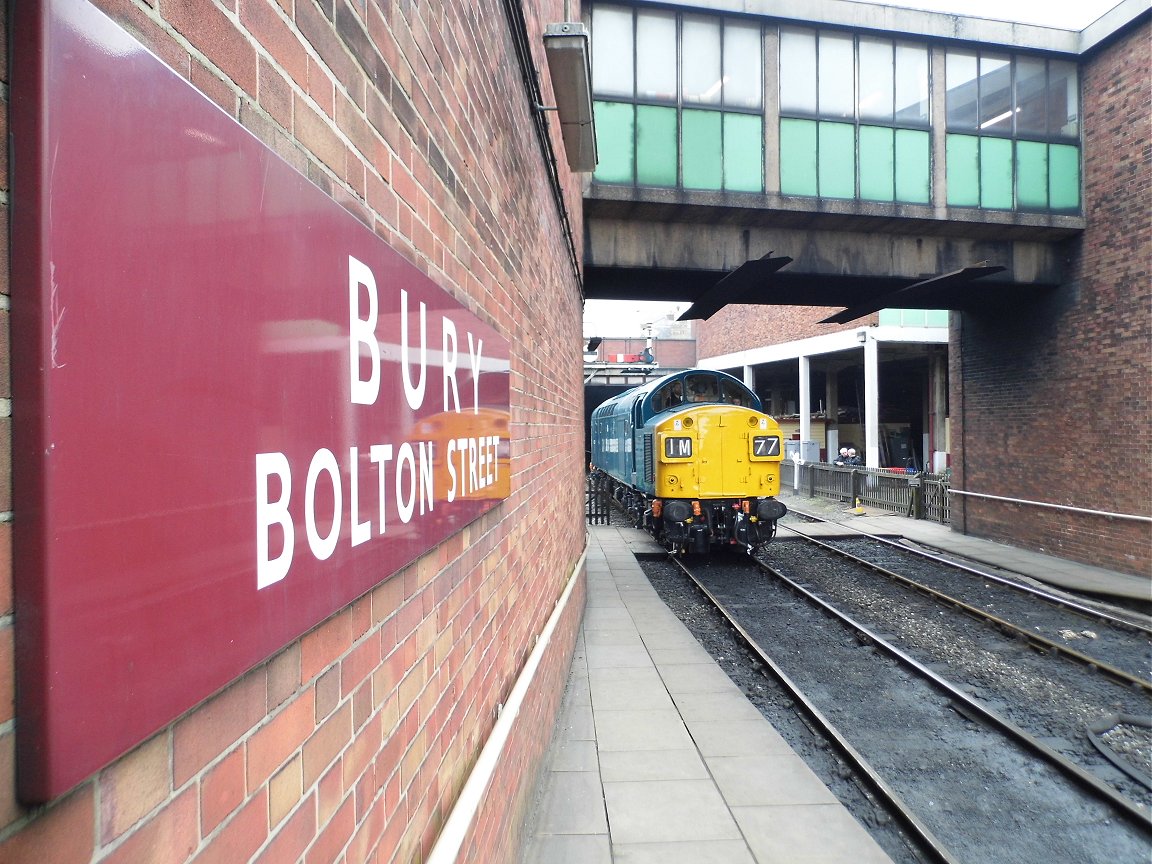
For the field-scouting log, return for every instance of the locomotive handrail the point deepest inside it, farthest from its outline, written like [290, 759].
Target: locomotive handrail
[1068, 507]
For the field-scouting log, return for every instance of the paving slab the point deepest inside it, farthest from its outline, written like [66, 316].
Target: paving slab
[658, 758]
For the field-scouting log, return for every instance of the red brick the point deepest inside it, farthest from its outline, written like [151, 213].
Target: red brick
[326, 743]
[217, 725]
[276, 36]
[213, 33]
[292, 838]
[169, 837]
[63, 834]
[285, 790]
[333, 837]
[134, 786]
[327, 693]
[358, 665]
[323, 646]
[222, 790]
[273, 744]
[242, 836]
[283, 676]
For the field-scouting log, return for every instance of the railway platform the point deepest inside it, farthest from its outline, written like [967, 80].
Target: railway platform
[657, 756]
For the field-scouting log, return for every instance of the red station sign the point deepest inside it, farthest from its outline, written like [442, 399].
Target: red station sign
[235, 408]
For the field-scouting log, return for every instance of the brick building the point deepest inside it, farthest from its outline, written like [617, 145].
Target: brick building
[1053, 400]
[353, 740]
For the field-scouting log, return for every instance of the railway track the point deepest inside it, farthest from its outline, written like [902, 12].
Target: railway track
[1118, 643]
[964, 778]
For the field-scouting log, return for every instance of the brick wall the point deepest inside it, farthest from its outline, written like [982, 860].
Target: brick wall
[737, 328]
[1052, 402]
[669, 353]
[353, 742]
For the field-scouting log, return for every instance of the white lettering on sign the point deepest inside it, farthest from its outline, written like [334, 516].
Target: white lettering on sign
[406, 474]
[363, 345]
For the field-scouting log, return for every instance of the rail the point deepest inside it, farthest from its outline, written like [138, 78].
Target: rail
[920, 496]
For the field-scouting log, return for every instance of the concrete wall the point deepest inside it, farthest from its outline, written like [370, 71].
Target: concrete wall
[1052, 402]
[353, 742]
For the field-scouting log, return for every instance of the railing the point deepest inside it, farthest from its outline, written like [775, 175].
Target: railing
[597, 497]
[920, 496]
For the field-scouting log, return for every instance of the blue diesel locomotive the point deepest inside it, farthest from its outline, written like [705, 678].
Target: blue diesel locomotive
[694, 460]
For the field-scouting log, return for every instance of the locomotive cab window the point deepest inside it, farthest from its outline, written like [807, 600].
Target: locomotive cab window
[668, 396]
[701, 388]
[735, 394]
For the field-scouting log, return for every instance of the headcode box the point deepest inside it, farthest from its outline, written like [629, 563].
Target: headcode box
[235, 408]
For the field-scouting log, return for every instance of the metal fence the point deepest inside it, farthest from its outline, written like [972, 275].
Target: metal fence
[920, 496]
[597, 497]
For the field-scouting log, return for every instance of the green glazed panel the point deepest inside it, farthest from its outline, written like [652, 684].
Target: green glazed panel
[703, 155]
[877, 164]
[798, 157]
[1031, 175]
[996, 173]
[614, 140]
[657, 155]
[743, 153]
[963, 170]
[837, 160]
[913, 166]
[1064, 177]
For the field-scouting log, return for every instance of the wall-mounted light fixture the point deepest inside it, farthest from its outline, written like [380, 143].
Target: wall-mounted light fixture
[861, 336]
[569, 61]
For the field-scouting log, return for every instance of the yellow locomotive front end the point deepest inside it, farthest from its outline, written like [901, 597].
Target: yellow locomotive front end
[716, 472]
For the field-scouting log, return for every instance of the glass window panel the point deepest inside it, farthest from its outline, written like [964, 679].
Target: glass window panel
[963, 170]
[996, 173]
[913, 317]
[614, 137]
[876, 82]
[1064, 177]
[743, 153]
[837, 160]
[656, 56]
[612, 51]
[1063, 99]
[995, 94]
[913, 166]
[936, 318]
[743, 70]
[703, 163]
[656, 150]
[961, 98]
[877, 163]
[701, 60]
[912, 84]
[1031, 96]
[798, 157]
[1031, 175]
[836, 83]
[798, 71]
[890, 317]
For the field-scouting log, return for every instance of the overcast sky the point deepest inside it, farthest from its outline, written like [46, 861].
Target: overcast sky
[627, 318]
